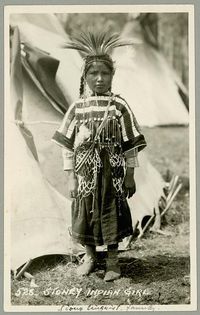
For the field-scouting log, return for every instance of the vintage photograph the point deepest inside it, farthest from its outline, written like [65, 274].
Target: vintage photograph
[99, 158]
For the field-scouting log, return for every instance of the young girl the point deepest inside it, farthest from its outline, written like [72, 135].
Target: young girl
[100, 138]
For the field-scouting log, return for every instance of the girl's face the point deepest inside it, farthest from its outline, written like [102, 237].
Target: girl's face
[99, 77]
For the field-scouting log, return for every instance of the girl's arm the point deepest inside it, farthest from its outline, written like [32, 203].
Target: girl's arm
[132, 142]
[64, 136]
[131, 163]
[129, 182]
[131, 157]
[68, 167]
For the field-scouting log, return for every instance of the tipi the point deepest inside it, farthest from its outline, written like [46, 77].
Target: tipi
[36, 197]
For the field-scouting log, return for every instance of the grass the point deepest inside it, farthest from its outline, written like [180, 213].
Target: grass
[157, 268]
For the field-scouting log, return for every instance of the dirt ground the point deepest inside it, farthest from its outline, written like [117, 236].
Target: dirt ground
[156, 270]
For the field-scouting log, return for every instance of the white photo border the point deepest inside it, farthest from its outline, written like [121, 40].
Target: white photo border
[189, 8]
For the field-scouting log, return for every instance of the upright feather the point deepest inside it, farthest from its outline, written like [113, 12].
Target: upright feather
[93, 44]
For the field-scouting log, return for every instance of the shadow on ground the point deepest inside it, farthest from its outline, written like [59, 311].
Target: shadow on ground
[155, 268]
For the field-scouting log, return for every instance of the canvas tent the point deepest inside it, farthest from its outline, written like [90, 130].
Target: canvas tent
[143, 76]
[36, 190]
[39, 215]
[148, 82]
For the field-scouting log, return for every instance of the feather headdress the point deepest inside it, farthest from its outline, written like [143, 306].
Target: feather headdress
[96, 47]
[92, 44]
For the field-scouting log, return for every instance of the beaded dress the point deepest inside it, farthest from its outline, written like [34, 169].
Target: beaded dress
[98, 133]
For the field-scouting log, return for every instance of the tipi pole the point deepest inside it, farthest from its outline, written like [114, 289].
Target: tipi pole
[171, 200]
[146, 226]
[164, 211]
[20, 273]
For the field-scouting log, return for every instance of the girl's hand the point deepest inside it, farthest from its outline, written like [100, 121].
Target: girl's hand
[129, 183]
[73, 184]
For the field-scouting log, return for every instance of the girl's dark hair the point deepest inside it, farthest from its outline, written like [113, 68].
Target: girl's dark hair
[82, 86]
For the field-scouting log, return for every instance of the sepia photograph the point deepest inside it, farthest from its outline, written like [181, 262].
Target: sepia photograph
[99, 158]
